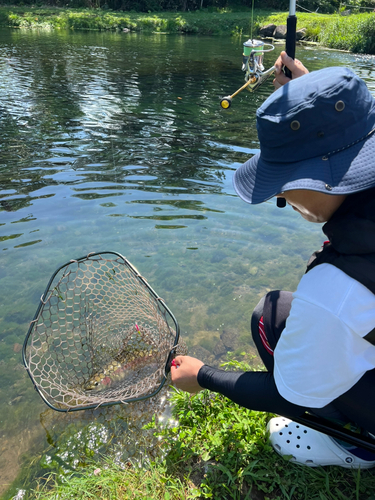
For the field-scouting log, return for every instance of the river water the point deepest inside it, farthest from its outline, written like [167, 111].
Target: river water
[117, 141]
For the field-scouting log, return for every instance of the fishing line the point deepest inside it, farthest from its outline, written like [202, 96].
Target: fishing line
[252, 21]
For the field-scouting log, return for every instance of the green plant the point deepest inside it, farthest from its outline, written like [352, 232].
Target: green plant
[210, 448]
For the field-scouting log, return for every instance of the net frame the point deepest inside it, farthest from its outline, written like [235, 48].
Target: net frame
[159, 318]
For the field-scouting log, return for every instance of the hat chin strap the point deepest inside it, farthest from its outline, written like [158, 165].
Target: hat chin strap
[281, 202]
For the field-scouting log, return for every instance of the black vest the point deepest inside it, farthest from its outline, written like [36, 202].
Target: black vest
[351, 246]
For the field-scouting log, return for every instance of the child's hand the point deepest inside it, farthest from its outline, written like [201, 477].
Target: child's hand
[296, 67]
[184, 373]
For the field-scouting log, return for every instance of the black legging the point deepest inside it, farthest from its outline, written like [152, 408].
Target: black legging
[258, 391]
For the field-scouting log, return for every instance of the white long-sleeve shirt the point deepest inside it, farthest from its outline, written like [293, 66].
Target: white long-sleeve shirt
[322, 353]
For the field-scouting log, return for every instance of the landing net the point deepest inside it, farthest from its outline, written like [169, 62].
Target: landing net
[100, 336]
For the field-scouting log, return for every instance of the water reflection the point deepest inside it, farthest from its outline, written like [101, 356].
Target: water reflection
[118, 142]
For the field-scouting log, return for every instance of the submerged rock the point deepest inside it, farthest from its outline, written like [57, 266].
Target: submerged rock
[229, 337]
[200, 352]
[229, 341]
[17, 347]
[220, 349]
[253, 271]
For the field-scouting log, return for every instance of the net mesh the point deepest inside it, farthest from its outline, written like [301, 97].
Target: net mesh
[101, 335]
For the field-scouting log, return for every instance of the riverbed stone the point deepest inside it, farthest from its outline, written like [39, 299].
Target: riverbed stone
[17, 347]
[229, 338]
[197, 351]
[219, 349]
[228, 342]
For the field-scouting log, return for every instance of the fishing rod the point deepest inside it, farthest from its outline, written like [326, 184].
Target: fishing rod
[291, 29]
[253, 53]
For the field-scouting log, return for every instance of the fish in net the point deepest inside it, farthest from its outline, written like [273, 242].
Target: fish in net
[100, 336]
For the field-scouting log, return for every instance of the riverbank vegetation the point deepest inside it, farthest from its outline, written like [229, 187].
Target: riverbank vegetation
[354, 32]
[216, 450]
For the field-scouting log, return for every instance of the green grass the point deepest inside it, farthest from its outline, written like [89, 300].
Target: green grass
[114, 483]
[216, 450]
[315, 24]
[207, 23]
[355, 33]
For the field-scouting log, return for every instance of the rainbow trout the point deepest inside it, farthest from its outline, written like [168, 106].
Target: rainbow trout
[120, 368]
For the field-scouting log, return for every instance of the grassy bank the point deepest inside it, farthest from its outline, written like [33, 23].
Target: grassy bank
[206, 23]
[355, 33]
[209, 448]
[218, 450]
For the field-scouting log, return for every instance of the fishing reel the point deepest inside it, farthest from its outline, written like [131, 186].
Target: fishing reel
[252, 65]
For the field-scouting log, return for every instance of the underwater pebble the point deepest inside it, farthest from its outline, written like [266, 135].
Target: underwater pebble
[17, 347]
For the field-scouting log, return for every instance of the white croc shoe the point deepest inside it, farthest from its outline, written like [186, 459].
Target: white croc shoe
[309, 447]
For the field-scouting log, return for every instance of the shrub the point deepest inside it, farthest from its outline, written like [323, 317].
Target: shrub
[353, 33]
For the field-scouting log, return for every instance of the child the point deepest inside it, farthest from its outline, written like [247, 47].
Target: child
[317, 146]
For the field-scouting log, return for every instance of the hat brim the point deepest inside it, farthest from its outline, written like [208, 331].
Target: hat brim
[258, 180]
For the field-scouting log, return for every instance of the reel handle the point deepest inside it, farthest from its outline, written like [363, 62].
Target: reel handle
[226, 102]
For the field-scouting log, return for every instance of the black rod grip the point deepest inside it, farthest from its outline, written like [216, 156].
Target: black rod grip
[290, 44]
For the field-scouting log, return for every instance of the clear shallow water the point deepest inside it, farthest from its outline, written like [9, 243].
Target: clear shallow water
[117, 142]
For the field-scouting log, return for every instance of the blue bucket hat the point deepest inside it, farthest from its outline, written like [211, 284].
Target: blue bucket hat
[317, 133]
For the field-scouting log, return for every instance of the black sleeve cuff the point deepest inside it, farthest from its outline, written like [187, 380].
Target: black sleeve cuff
[253, 390]
[216, 380]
